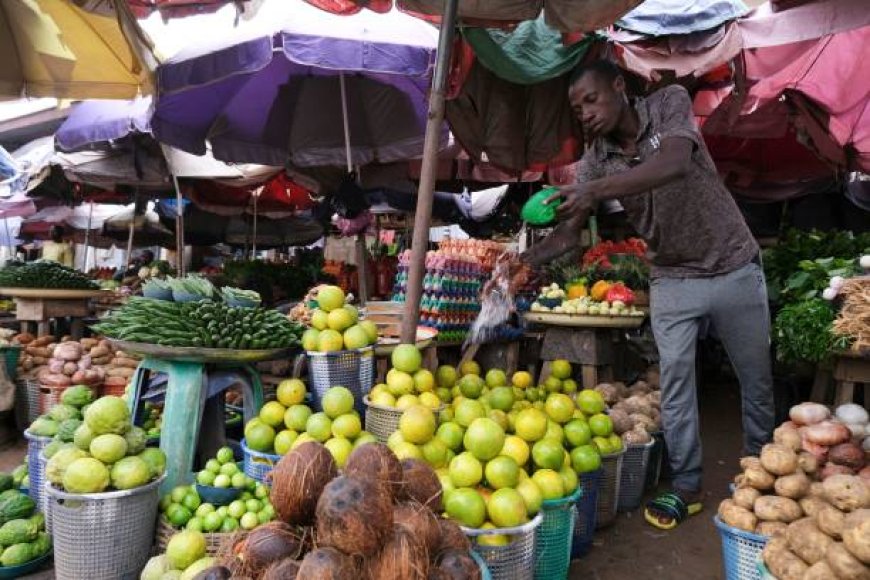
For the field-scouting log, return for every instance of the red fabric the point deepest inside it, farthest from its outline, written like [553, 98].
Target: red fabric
[177, 8]
[279, 194]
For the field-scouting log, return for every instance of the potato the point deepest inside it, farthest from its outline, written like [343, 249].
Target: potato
[807, 541]
[778, 459]
[781, 562]
[856, 534]
[758, 478]
[736, 516]
[817, 490]
[745, 497]
[846, 492]
[844, 564]
[812, 505]
[749, 461]
[794, 486]
[771, 529]
[819, 571]
[807, 462]
[771, 508]
[830, 520]
[787, 436]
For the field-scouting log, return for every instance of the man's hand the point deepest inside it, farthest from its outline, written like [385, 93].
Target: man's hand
[577, 200]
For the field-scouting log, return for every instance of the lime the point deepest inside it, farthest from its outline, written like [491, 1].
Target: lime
[205, 477]
[222, 480]
[229, 524]
[191, 501]
[249, 521]
[484, 438]
[467, 507]
[502, 472]
[212, 522]
[506, 508]
[224, 455]
[178, 515]
[237, 509]
[253, 505]
[195, 524]
[229, 469]
[261, 491]
[204, 509]
[223, 511]
[177, 494]
[239, 480]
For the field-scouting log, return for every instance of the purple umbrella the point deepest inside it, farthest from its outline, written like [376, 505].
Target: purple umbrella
[315, 89]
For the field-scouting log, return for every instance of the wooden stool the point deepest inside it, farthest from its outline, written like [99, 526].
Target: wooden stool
[849, 372]
[591, 348]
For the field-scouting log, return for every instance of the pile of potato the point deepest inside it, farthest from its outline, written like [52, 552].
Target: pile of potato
[88, 361]
[635, 410]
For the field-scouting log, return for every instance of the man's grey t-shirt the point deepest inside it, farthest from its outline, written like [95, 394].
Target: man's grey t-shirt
[692, 225]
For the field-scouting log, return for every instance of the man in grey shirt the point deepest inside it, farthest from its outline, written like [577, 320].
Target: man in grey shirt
[648, 154]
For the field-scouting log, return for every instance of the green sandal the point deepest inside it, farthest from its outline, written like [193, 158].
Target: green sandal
[669, 510]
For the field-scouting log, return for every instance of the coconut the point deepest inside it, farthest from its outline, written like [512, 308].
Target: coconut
[636, 436]
[298, 480]
[327, 564]
[419, 520]
[608, 392]
[376, 461]
[403, 556]
[641, 420]
[655, 399]
[286, 569]
[214, 573]
[621, 421]
[452, 537]
[458, 565]
[421, 484]
[270, 543]
[638, 404]
[354, 515]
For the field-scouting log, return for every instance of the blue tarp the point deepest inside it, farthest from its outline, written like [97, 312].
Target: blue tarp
[666, 17]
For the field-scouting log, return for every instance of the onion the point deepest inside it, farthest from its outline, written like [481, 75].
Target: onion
[809, 413]
[829, 294]
[858, 430]
[833, 469]
[852, 413]
[827, 433]
[847, 454]
[866, 445]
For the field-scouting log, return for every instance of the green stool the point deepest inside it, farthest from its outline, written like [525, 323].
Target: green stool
[189, 385]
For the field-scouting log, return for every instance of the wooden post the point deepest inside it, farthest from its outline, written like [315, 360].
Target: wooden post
[426, 191]
[179, 228]
[362, 268]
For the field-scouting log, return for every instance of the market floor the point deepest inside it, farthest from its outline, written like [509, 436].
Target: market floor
[630, 548]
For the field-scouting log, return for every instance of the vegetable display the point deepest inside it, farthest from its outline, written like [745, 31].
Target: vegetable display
[22, 534]
[44, 274]
[802, 331]
[199, 324]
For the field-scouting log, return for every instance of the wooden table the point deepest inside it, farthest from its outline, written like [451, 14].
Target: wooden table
[850, 370]
[40, 305]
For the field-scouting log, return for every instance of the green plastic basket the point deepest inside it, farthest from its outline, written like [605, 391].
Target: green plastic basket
[554, 537]
[11, 354]
[536, 212]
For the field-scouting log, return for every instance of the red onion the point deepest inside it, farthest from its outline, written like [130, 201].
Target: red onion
[847, 454]
[809, 413]
[820, 452]
[833, 469]
[827, 433]
[865, 474]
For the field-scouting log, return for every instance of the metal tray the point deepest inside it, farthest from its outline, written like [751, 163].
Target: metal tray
[196, 354]
[579, 320]
[52, 293]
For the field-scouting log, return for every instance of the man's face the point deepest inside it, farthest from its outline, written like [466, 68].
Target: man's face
[597, 103]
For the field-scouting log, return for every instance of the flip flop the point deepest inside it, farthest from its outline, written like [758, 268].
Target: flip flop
[669, 510]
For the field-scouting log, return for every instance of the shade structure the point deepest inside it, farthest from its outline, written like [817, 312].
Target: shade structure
[670, 17]
[277, 198]
[277, 95]
[53, 48]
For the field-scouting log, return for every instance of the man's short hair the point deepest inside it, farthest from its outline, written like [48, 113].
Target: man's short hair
[605, 69]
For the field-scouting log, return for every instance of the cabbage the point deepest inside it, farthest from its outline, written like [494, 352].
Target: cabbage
[155, 459]
[66, 430]
[52, 448]
[130, 472]
[108, 415]
[86, 475]
[60, 462]
[77, 396]
[83, 437]
[109, 448]
[61, 413]
[44, 427]
[136, 439]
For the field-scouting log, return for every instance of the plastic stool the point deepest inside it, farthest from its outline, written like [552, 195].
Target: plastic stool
[188, 387]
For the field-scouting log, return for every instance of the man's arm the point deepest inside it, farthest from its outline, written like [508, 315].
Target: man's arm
[564, 238]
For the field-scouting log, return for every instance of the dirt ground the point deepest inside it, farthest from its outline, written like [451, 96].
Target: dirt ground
[630, 548]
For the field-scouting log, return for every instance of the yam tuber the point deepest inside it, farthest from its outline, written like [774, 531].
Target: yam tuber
[794, 486]
[807, 541]
[736, 516]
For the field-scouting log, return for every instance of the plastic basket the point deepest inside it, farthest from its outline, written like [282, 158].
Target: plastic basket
[213, 542]
[113, 390]
[740, 551]
[608, 489]
[354, 369]
[554, 537]
[763, 572]
[49, 397]
[256, 464]
[632, 476]
[484, 569]
[103, 536]
[384, 421]
[586, 515]
[654, 465]
[516, 560]
[11, 353]
[26, 402]
[36, 467]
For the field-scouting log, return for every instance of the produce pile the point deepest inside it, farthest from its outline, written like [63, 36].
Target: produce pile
[853, 321]
[839, 443]
[62, 420]
[184, 507]
[22, 534]
[635, 410]
[335, 324]
[376, 520]
[199, 324]
[287, 423]
[604, 299]
[501, 449]
[407, 383]
[186, 558]
[20, 476]
[44, 274]
[96, 446]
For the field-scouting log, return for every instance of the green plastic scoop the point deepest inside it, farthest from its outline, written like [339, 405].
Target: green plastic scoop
[536, 212]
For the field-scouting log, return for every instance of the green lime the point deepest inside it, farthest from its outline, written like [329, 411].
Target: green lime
[205, 477]
[249, 521]
[239, 480]
[204, 509]
[178, 515]
[246, 495]
[213, 465]
[194, 524]
[261, 491]
[263, 516]
[237, 509]
[179, 492]
[223, 511]
[254, 505]
[192, 501]
[229, 469]
[222, 480]
[225, 455]
[212, 522]
[230, 524]
[269, 510]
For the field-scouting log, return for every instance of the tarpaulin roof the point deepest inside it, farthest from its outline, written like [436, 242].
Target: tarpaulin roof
[667, 17]
[278, 197]
[53, 48]
[765, 26]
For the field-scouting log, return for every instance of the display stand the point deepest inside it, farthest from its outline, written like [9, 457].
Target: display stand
[851, 370]
[41, 305]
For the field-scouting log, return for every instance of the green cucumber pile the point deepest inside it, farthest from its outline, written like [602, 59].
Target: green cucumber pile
[44, 274]
[204, 324]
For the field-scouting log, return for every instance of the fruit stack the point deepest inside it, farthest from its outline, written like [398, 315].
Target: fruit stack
[451, 288]
[335, 325]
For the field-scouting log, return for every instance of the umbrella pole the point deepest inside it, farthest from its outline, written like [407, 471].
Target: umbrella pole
[88, 238]
[179, 228]
[254, 241]
[130, 237]
[345, 121]
[425, 193]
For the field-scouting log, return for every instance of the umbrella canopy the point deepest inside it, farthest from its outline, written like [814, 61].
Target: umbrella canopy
[260, 97]
[53, 48]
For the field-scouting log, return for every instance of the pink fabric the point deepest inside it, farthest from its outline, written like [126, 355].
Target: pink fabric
[765, 27]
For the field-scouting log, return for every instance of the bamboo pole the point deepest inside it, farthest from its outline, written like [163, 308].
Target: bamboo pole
[426, 191]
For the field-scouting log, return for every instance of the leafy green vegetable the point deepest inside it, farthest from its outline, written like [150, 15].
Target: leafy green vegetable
[803, 331]
[44, 274]
[813, 277]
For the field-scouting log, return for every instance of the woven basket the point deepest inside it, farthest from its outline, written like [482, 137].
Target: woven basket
[587, 513]
[384, 421]
[49, 397]
[553, 547]
[740, 551]
[516, 560]
[608, 489]
[213, 542]
[26, 402]
[112, 390]
[258, 465]
[633, 475]
[353, 369]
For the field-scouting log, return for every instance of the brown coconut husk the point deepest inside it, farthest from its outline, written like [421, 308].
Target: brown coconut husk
[287, 569]
[298, 480]
[327, 564]
[452, 537]
[420, 521]
[458, 565]
[354, 515]
[376, 461]
[214, 573]
[421, 484]
[270, 543]
[403, 556]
